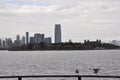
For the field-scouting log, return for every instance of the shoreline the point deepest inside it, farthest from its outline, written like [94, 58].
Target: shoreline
[63, 50]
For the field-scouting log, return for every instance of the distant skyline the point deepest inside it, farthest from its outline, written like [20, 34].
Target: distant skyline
[79, 19]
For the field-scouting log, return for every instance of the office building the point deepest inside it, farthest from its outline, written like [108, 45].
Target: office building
[27, 38]
[38, 38]
[57, 33]
[23, 40]
[9, 43]
[42, 37]
[48, 40]
[32, 40]
[18, 37]
[17, 42]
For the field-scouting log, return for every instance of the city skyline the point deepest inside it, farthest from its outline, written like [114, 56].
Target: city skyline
[39, 38]
[28, 35]
[24, 40]
[80, 19]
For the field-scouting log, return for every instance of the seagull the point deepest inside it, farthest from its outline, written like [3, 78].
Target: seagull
[95, 70]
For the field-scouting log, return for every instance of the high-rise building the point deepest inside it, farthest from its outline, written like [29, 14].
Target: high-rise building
[27, 38]
[42, 37]
[57, 33]
[9, 43]
[18, 37]
[32, 40]
[48, 40]
[23, 40]
[38, 38]
[17, 42]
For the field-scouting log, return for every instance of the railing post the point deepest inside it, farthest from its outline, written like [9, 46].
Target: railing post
[79, 77]
[19, 78]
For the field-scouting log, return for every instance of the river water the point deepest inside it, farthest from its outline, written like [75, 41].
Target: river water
[59, 62]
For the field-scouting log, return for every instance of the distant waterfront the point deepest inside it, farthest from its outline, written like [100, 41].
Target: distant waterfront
[87, 45]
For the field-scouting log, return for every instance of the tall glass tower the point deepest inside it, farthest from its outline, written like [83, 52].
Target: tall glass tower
[57, 33]
[27, 38]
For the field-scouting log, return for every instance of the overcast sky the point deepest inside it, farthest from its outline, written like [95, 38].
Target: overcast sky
[79, 19]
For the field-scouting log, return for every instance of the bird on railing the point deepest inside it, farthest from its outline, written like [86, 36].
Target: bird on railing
[95, 70]
[76, 71]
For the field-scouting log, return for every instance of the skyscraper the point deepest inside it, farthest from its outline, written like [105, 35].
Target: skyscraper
[18, 37]
[17, 42]
[42, 37]
[32, 40]
[9, 43]
[39, 38]
[57, 33]
[27, 37]
[23, 40]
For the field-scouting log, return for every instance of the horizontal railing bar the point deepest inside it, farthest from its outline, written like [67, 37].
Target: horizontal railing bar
[39, 76]
[100, 76]
[83, 76]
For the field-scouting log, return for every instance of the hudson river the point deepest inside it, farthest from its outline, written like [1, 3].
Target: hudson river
[59, 62]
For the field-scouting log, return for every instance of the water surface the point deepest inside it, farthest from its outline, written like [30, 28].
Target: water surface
[59, 62]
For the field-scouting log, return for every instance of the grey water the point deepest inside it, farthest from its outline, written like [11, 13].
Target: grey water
[59, 62]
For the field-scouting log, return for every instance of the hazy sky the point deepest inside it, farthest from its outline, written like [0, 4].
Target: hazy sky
[80, 19]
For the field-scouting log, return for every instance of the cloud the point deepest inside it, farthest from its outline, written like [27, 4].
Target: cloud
[86, 18]
[74, 6]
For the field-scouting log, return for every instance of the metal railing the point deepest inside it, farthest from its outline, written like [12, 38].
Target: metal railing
[61, 76]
